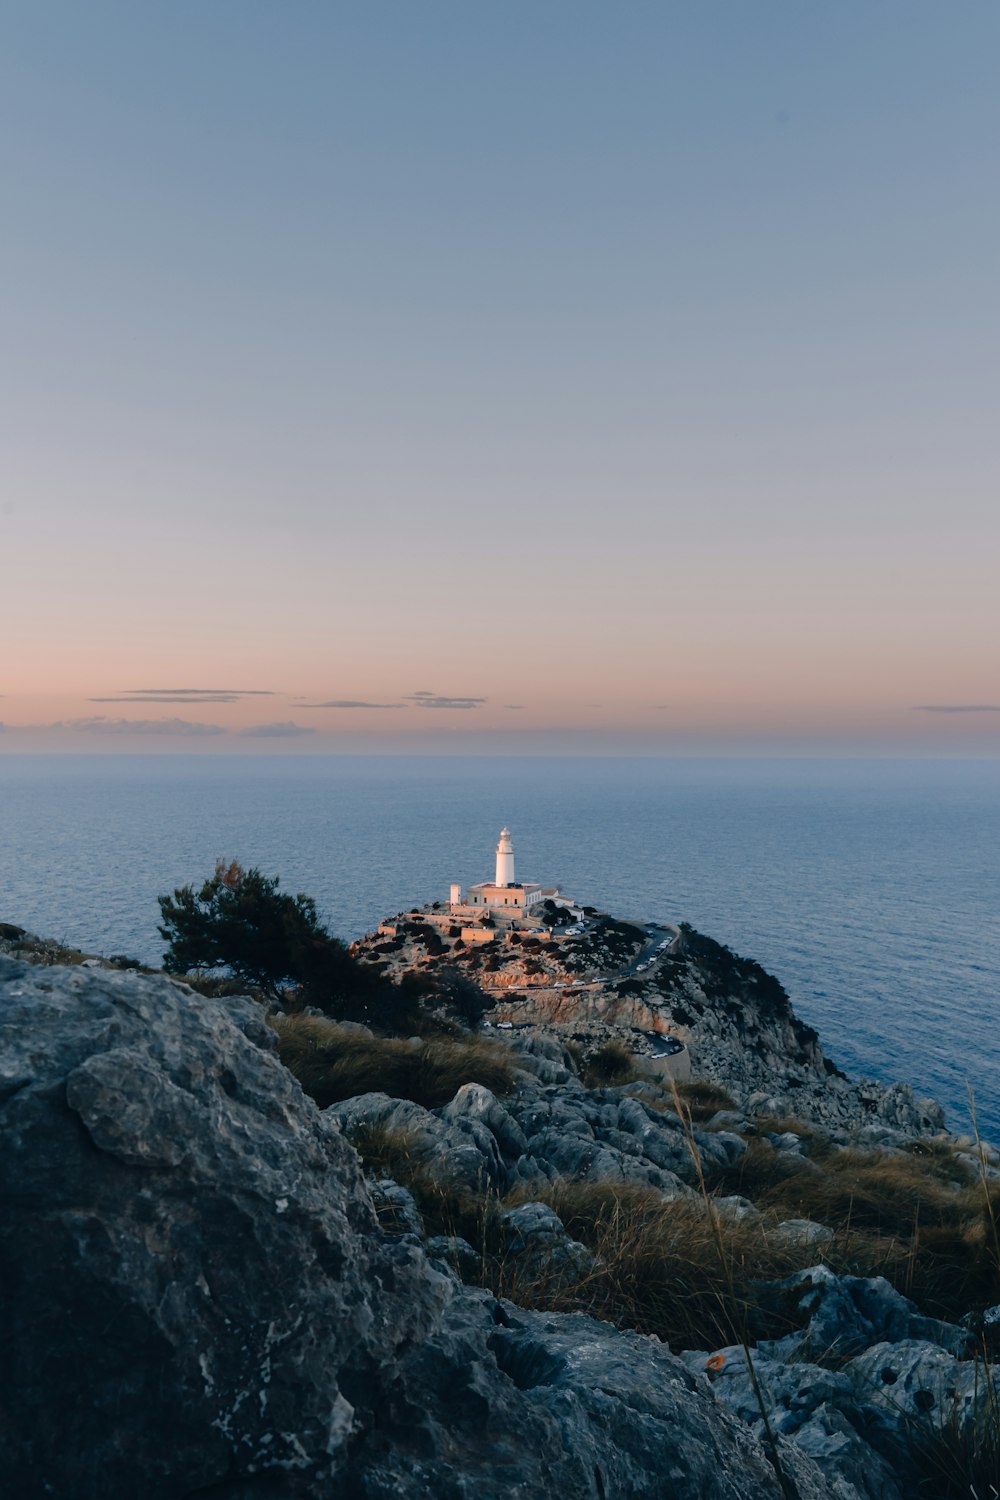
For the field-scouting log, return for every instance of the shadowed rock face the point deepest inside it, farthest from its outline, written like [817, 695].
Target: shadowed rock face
[184, 1244]
[198, 1299]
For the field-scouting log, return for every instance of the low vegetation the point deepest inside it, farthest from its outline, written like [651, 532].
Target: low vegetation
[930, 1218]
[692, 1274]
[700, 1098]
[610, 1064]
[657, 1267]
[16, 942]
[334, 1062]
[241, 921]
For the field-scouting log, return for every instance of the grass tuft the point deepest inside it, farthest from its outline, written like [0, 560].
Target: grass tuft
[334, 1062]
[611, 1063]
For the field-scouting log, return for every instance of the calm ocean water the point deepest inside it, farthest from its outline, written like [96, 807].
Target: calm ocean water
[871, 888]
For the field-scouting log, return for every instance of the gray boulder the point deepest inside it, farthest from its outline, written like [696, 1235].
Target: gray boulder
[918, 1382]
[456, 1254]
[847, 1314]
[185, 1248]
[535, 1234]
[396, 1209]
[473, 1102]
[583, 1413]
[821, 1412]
[459, 1149]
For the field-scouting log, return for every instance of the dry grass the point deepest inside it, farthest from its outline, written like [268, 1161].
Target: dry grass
[611, 1063]
[699, 1099]
[657, 1263]
[677, 1270]
[885, 1191]
[927, 1226]
[334, 1062]
[696, 1100]
[444, 1208]
[782, 1125]
[658, 1266]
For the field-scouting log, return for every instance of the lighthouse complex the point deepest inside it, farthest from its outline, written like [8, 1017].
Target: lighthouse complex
[483, 909]
[504, 893]
[536, 953]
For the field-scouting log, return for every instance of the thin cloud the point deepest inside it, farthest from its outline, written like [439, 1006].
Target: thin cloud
[351, 703]
[285, 730]
[199, 692]
[183, 695]
[956, 708]
[167, 698]
[513, 705]
[442, 700]
[101, 725]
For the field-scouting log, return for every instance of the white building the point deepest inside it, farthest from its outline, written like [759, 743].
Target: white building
[504, 890]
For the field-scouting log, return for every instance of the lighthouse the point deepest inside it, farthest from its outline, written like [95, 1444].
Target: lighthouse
[505, 859]
[506, 897]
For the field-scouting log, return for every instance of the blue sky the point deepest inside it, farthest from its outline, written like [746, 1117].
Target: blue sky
[665, 333]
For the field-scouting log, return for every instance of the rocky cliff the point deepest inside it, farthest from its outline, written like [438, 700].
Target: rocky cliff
[587, 986]
[207, 1291]
[199, 1299]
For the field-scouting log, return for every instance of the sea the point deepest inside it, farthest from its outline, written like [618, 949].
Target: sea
[871, 888]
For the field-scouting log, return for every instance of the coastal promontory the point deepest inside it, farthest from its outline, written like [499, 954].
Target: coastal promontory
[588, 1213]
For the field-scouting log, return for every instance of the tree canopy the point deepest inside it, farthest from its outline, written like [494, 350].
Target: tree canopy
[240, 920]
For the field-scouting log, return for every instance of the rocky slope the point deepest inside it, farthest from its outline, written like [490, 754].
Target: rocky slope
[199, 1299]
[206, 1293]
[734, 1017]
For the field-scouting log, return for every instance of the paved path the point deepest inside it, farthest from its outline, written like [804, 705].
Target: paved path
[648, 954]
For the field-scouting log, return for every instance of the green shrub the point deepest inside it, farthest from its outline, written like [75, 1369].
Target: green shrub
[239, 920]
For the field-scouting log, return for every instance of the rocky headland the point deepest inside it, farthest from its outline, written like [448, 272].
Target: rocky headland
[612, 981]
[251, 1254]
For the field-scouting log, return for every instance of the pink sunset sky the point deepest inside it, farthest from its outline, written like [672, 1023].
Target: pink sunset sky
[594, 382]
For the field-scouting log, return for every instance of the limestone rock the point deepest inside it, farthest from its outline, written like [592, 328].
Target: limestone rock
[847, 1314]
[184, 1249]
[820, 1412]
[200, 1300]
[582, 1412]
[916, 1381]
[535, 1234]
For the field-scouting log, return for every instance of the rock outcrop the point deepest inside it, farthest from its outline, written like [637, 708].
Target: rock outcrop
[546, 1131]
[735, 1018]
[199, 1298]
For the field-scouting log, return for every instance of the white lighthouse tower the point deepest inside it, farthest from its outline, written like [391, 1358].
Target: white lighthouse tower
[505, 859]
[507, 898]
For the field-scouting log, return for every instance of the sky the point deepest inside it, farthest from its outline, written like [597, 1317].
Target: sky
[539, 377]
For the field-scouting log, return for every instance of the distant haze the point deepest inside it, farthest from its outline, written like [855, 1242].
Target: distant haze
[535, 379]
